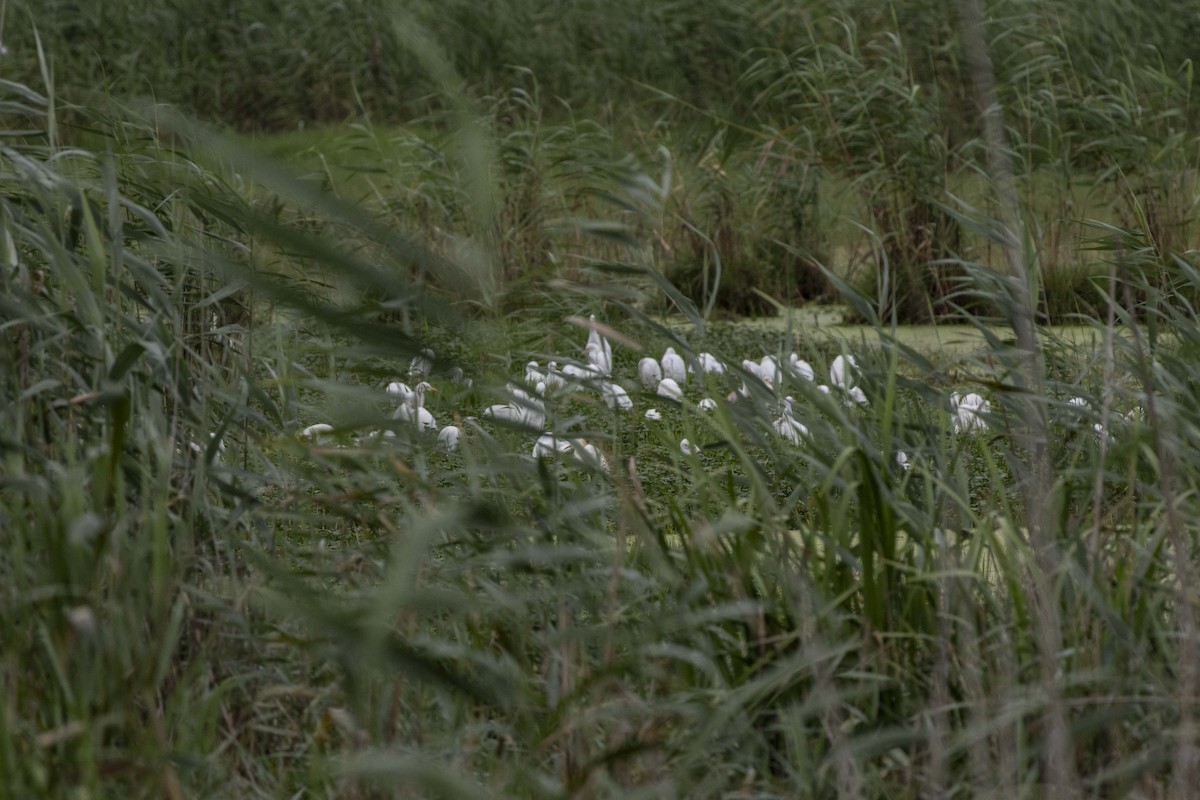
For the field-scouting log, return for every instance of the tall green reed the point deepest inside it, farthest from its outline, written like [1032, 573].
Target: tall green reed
[124, 403]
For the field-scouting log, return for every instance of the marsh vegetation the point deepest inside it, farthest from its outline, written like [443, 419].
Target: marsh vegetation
[260, 219]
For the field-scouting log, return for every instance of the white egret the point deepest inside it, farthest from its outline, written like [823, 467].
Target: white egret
[522, 409]
[649, 373]
[604, 357]
[533, 373]
[506, 412]
[458, 376]
[321, 433]
[707, 404]
[1082, 406]
[754, 368]
[653, 414]
[422, 364]
[373, 438]
[801, 368]
[669, 388]
[400, 390]
[710, 364]
[448, 438]
[842, 372]
[600, 362]
[787, 426]
[200, 449]
[673, 366]
[686, 447]
[969, 412]
[1120, 422]
[413, 410]
[554, 378]
[589, 454]
[533, 407]
[902, 460]
[548, 445]
[581, 373]
[615, 396]
[769, 371]
[419, 392]
[855, 396]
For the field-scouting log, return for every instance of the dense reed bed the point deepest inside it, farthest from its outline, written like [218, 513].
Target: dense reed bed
[198, 600]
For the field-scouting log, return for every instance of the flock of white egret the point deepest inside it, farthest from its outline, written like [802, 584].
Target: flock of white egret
[525, 408]
[524, 400]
